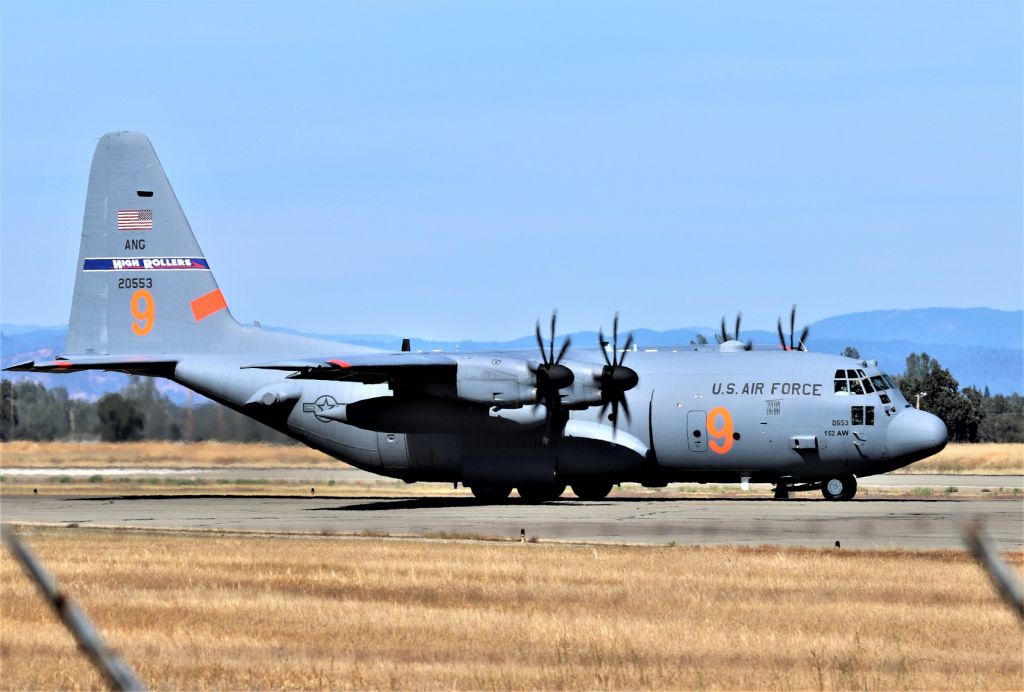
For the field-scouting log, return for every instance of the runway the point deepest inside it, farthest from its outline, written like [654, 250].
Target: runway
[866, 523]
[349, 474]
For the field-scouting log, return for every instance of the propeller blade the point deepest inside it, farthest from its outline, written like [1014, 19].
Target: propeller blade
[782, 338]
[604, 351]
[625, 407]
[554, 317]
[749, 346]
[625, 350]
[565, 347]
[540, 345]
[792, 325]
[615, 334]
[803, 338]
[725, 335]
[736, 336]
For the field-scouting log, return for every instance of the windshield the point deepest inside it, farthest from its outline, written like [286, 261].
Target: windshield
[849, 381]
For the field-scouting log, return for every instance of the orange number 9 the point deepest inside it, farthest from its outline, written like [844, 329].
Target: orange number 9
[144, 311]
[720, 434]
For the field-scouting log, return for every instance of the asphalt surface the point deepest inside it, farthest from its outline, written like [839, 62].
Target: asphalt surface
[863, 523]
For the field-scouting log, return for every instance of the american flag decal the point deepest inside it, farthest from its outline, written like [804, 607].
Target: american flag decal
[134, 219]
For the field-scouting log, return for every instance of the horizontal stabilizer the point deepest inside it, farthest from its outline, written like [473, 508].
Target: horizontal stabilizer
[132, 365]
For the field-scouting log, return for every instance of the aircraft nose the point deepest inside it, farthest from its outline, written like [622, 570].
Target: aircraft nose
[916, 433]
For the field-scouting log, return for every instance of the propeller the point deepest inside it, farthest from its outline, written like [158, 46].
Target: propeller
[615, 378]
[551, 376]
[724, 336]
[794, 345]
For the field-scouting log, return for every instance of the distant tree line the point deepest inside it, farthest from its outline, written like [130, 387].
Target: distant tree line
[970, 415]
[30, 411]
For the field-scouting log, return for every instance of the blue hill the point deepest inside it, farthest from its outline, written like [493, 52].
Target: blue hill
[980, 346]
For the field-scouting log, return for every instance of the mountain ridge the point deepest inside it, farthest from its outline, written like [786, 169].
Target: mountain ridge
[980, 346]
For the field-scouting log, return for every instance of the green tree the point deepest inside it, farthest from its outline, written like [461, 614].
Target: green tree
[8, 411]
[699, 340]
[941, 395]
[157, 410]
[851, 352]
[119, 418]
[42, 413]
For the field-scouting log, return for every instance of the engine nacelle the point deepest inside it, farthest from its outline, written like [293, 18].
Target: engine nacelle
[585, 390]
[495, 382]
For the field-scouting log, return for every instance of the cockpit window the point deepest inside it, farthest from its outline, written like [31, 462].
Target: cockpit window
[859, 382]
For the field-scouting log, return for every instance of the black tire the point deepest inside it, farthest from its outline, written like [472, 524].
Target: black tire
[491, 493]
[592, 490]
[541, 493]
[781, 492]
[839, 487]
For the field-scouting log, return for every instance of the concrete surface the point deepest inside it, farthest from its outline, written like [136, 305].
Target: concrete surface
[916, 523]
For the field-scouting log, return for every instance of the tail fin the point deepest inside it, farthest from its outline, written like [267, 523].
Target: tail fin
[143, 285]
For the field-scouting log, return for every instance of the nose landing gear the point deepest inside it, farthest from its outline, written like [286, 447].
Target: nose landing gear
[840, 487]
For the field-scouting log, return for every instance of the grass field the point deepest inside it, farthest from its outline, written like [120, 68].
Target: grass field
[171, 455]
[201, 611]
[987, 458]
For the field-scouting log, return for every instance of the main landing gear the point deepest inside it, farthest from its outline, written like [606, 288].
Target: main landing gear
[491, 494]
[591, 490]
[546, 492]
[841, 487]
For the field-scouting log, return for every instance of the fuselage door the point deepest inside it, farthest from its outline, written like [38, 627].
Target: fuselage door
[696, 431]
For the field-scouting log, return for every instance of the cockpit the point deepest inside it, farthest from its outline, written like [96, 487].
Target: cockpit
[857, 382]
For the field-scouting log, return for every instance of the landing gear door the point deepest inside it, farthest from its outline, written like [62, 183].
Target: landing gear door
[394, 450]
[696, 431]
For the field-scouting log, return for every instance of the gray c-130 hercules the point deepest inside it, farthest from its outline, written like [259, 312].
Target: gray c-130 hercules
[146, 303]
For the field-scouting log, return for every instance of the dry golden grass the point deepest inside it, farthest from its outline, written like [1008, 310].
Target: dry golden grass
[211, 611]
[987, 458]
[161, 455]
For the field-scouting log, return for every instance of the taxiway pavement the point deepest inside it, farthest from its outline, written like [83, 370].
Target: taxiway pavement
[862, 523]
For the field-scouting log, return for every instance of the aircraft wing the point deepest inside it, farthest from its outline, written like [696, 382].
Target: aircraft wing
[368, 369]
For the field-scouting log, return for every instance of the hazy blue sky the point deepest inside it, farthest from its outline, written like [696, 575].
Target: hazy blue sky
[458, 169]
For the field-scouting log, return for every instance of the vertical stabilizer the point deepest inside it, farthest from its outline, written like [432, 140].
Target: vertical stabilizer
[143, 285]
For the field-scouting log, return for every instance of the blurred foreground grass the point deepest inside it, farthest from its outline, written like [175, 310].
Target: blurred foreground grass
[191, 611]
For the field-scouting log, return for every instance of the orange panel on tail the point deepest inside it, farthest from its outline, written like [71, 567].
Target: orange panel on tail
[206, 305]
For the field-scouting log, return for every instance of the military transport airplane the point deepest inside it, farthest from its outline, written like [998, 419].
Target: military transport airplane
[146, 303]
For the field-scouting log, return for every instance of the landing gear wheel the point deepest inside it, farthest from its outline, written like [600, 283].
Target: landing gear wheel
[840, 487]
[533, 494]
[781, 492]
[491, 493]
[591, 490]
